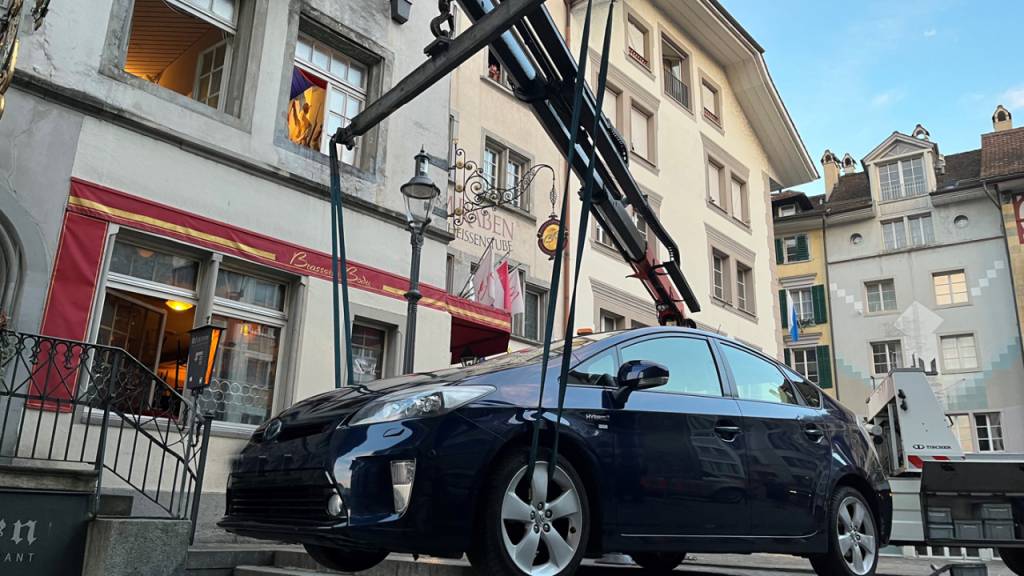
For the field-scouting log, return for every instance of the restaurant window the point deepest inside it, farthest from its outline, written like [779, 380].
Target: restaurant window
[190, 47]
[154, 266]
[369, 352]
[328, 89]
[676, 69]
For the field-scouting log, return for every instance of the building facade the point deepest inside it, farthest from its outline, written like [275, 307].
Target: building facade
[165, 167]
[920, 276]
[801, 264]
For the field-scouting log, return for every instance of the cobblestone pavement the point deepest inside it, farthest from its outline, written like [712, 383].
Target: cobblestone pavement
[778, 565]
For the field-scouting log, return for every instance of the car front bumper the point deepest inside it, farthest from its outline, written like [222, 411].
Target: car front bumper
[280, 490]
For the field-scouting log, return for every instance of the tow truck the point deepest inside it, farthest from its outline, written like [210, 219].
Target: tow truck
[943, 496]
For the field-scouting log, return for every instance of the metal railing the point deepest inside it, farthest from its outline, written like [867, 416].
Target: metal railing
[72, 402]
[675, 87]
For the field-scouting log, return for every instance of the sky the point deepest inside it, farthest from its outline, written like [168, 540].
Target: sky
[851, 73]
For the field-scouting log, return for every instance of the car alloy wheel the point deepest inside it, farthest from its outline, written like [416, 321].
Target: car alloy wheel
[541, 521]
[856, 536]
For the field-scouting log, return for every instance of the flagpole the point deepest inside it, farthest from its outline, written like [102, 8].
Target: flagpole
[479, 260]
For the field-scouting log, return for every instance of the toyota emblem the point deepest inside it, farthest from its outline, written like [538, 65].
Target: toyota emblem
[273, 429]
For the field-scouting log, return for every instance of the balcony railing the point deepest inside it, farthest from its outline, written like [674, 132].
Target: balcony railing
[675, 87]
[78, 403]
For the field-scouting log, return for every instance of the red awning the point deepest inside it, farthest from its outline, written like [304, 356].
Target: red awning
[477, 330]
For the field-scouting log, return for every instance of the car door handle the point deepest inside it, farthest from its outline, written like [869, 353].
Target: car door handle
[814, 433]
[727, 432]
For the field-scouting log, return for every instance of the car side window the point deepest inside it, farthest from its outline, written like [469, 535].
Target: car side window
[810, 392]
[598, 370]
[757, 379]
[691, 366]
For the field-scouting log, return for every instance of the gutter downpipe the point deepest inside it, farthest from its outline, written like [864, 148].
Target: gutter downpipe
[831, 316]
[1009, 262]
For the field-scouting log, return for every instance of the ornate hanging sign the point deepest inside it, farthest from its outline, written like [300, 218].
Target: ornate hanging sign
[547, 236]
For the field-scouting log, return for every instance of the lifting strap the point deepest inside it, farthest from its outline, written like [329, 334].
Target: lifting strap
[587, 197]
[339, 276]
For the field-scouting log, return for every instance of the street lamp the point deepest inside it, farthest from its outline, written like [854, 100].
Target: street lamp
[420, 194]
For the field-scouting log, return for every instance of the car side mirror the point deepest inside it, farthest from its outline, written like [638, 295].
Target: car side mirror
[638, 375]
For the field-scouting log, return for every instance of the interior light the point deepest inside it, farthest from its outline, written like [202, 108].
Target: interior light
[179, 306]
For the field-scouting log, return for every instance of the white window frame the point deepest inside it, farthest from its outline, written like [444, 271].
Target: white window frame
[787, 210]
[896, 230]
[899, 188]
[713, 114]
[618, 322]
[519, 320]
[386, 352]
[225, 69]
[206, 13]
[670, 51]
[744, 288]
[972, 420]
[946, 279]
[338, 85]
[506, 157]
[892, 349]
[881, 285]
[924, 227]
[720, 275]
[810, 357]
[640, 56]
[793, 242]
[804, 304]
[715, 187]
[959, 344]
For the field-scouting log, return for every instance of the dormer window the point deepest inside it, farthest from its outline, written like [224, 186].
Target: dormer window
[788, 210]
[901, 179]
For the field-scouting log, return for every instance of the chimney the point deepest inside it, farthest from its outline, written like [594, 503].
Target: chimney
[1002, 119]
[849, 164]
[831, 168]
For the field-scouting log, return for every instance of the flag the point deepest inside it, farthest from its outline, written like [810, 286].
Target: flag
[512, 292]
[485, 282]
[794, 323]
[302, 81]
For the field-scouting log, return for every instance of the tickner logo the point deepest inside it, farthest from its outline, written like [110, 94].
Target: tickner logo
[22, 534]
[932, 447]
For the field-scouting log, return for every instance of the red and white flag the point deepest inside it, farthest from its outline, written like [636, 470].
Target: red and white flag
[485, 282]
[512, 289]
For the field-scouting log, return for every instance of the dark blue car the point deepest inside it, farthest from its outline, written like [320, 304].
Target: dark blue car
[672, 441]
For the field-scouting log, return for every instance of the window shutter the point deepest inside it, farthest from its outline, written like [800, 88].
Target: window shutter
[802, 251]
[818, 297]
[787, 355]
[779, 256]
[783, 306]
[824, 367]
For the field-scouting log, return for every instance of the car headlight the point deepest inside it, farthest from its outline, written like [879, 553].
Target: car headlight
[418, 403]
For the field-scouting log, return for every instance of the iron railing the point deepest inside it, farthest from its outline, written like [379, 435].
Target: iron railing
[73, 402]
[675, 87]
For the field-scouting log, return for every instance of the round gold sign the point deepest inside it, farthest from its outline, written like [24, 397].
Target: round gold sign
[547, 236]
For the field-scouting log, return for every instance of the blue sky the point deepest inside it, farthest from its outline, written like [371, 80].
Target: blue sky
[852, 72]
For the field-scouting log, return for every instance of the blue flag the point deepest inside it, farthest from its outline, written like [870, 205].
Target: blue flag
[794, 324]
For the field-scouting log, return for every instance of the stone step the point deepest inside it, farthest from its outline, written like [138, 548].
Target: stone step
[222, 560]
[116, 505]
[270, 571]
[395, 565]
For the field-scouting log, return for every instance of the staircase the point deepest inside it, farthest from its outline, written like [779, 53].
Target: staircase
[264, 560]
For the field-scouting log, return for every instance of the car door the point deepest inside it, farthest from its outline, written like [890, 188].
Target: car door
[679, 447]
[787, 447]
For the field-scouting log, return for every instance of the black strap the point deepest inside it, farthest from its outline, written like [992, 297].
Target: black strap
[338, 252]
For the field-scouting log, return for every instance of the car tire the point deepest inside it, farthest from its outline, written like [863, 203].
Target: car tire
[519, 534]
[658, 562]
[853, 542]
[344, 559]
[1014, 559]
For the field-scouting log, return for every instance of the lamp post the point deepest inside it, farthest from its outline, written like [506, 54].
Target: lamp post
[420, 194]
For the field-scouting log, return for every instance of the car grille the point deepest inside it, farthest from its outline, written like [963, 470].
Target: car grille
[298, 501]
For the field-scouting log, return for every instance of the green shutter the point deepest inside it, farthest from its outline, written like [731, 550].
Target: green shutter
[784, 309]
[820, 308]
[802, 251]
[779, 256]
[787, 355]
[824, 367]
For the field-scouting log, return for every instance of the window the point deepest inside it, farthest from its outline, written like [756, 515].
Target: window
[921, 231]
[154, 266]
[796, 249]
[901, 179]
[611, 322]
[744, 288]
[503, 169]
[788, 210]
[495, 71]
[881, 296]
[719, 270]
[188, 47]
[449, 273]
[758, 379]
[963, 431]
[711, 103]
[250, 290]
[369, 349]
[640, 133]
[242, 387]
[950, 288]
[802, 300]
[715, 184]
[610, 106]
[738, 200]
[805, 361]
[328, 89]
[959, 352]
[638, 44]
[638, 221]
[894, 234]
[676, 67]
[691, 366]
[529, 324]
[990, 432]
[886, 356]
